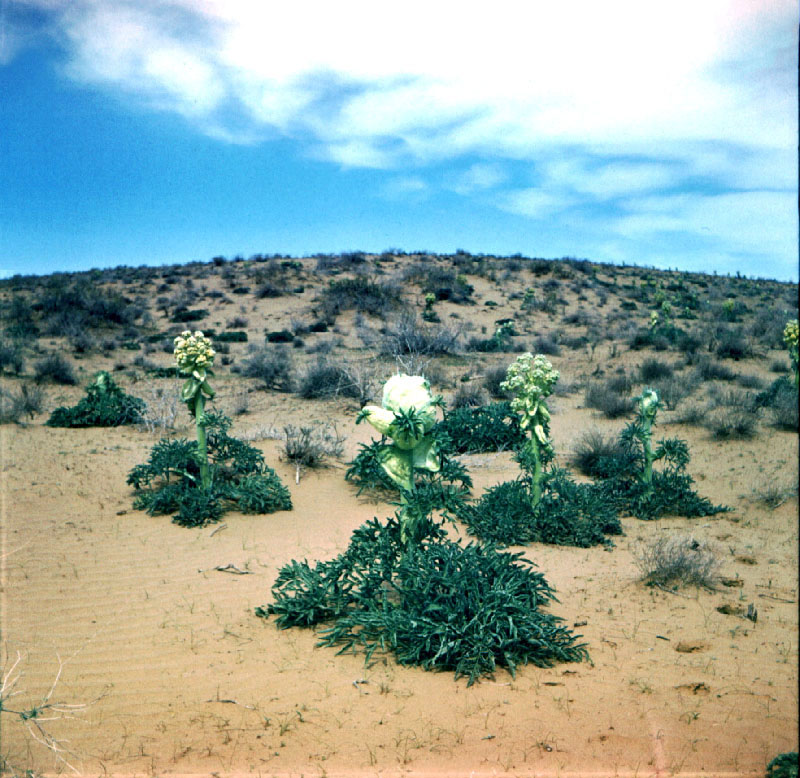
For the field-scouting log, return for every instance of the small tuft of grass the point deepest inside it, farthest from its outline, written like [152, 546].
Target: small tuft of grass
[678, 560]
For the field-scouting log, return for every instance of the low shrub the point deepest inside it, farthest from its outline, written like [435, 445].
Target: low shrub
[170, 481]
[280, 336]
[27, 402]
[468, 395]
[360, 294]
[105, 405]
[593, 451]
[323, 380]
[437, 604]
[733, 345]
[653, 369]
[312, 446]
[11, 357]
[407, 336]
[493, 377]
[231, 336]
[709, 370]
[55, 367]
[678, 560]
[675, 389]
[273, 367]
[183, 315]
[546, 344]
[781, 401]
[611, 397]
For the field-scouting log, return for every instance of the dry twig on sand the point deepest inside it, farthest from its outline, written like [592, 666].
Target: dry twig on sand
[37, 718]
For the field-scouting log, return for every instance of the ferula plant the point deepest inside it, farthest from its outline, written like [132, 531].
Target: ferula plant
[194, 355]
[406, 416]
[633, 485]
[790, 340]
[542, 505]
[105, 405]
[198, 480]
[531, 380]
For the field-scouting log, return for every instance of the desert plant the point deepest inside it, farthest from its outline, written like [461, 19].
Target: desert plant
[171, 481]
[632, 484]
[790, 340]
[407, 416]
[593, 451]
[784, 765]
[194, 357]
[530, 380]
[567, 513]
[105, 405]
[435, 604]
[27, 402]
[312, 446]
[493, 427]
[678, 560]
[55, 367]
[273, 366]
[540, 506]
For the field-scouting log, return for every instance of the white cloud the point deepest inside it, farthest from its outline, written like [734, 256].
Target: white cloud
[478, 178]
[445, 77]
[533, 203]
[754, 223]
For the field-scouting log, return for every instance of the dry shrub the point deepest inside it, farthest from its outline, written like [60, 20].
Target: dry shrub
[678, 560]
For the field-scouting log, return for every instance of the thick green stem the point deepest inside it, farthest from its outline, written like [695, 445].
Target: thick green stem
[202, 448]
[649, 456]
[536, 476]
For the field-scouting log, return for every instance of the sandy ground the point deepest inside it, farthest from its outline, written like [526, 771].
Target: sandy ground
[182, 678]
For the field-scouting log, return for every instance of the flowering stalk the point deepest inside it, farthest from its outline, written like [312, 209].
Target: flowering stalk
[647, 405]
[790, 339]
[531, 379]
[194, 356]
[407, 416]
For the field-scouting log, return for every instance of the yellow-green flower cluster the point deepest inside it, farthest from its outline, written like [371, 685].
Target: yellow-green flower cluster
[790, 337]
[531, 379]
[194, 354]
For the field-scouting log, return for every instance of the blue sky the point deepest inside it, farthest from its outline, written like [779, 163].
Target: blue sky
[158, 131]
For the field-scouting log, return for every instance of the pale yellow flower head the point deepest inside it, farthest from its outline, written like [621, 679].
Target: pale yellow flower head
[790, 335]
[194, 354]
[530, 379]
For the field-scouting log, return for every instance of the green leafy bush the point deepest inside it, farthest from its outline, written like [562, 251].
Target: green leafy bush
[567, 514]
[493, 427]
[105, 405]
[784, 766]
[170, 481]
[436, 604]
[633, 486]
[232, 336]
[540, 506]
